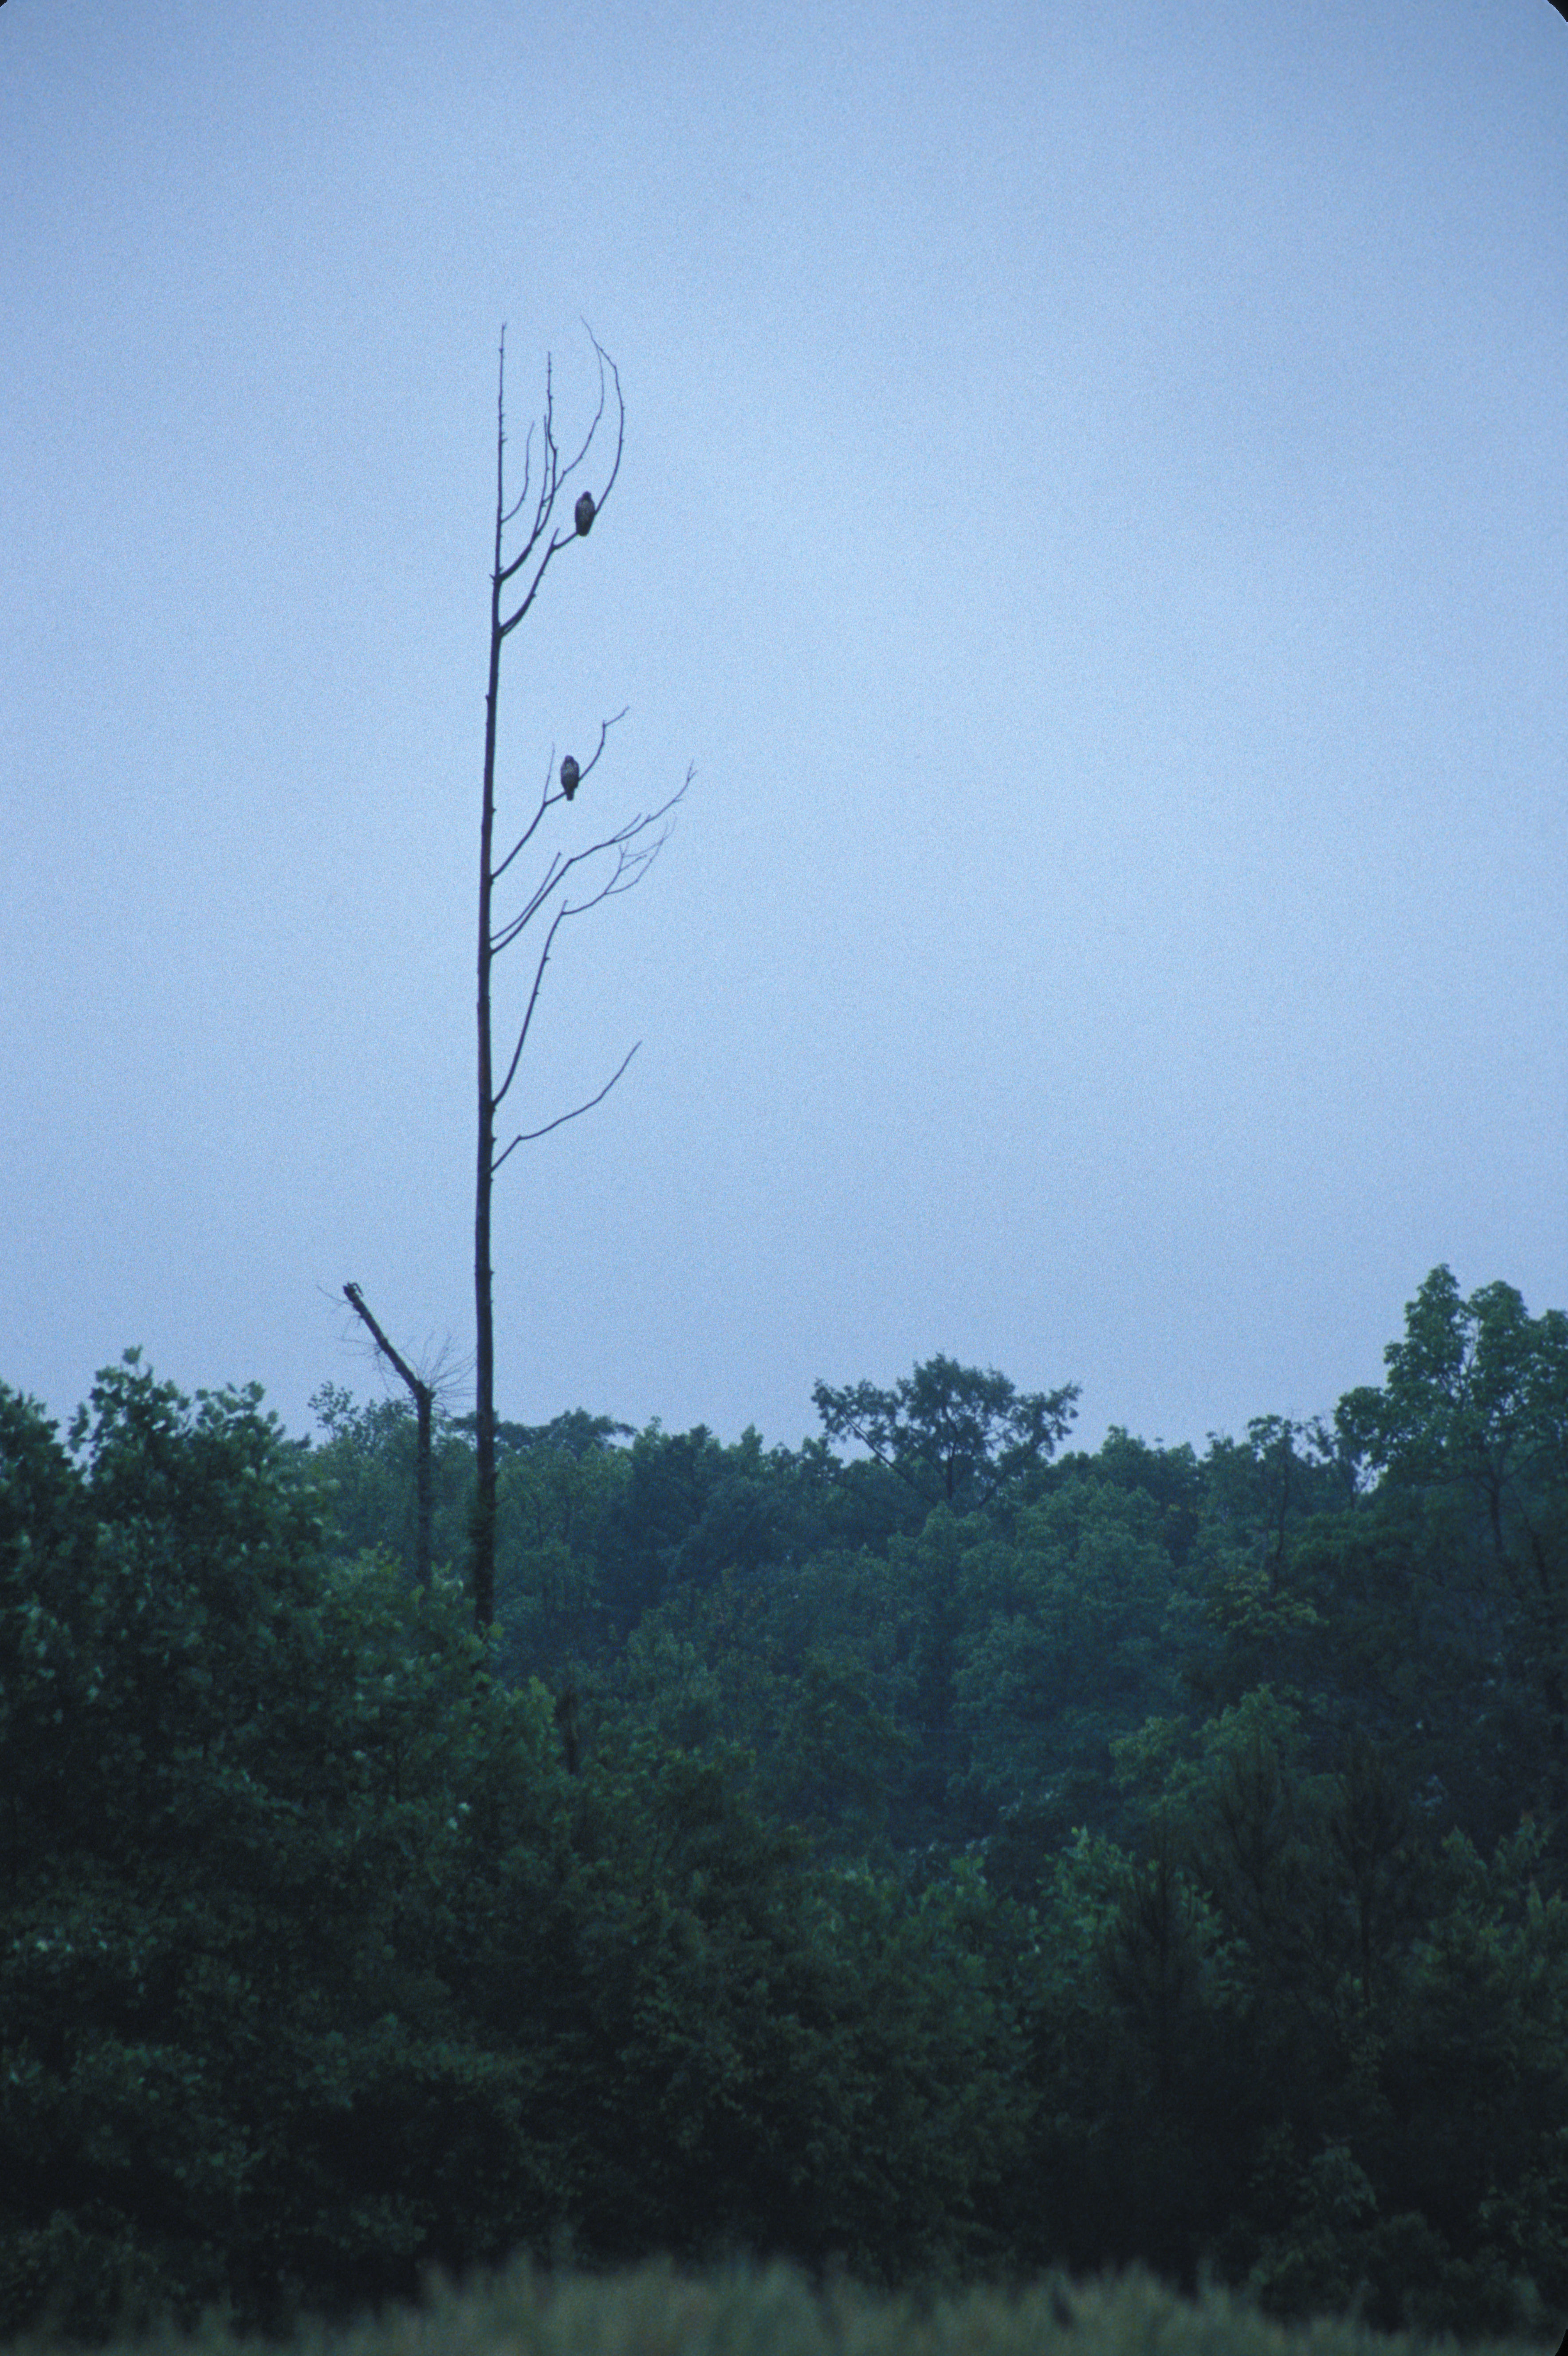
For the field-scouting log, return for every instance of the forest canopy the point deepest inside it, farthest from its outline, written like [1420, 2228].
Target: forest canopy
[949, 1860]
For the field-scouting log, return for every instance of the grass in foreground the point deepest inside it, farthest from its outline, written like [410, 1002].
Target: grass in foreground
[653, 2311]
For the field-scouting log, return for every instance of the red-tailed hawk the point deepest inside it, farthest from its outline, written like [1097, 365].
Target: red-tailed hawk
[584, 512]
[570, 773]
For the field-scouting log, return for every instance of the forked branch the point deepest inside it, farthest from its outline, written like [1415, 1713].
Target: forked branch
[547, 800]
[631, 866]
[561, 867]
[553, 475]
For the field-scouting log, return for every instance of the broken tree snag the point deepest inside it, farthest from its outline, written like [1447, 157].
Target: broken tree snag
[424, 1402]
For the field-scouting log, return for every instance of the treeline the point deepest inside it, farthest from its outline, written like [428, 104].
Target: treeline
[951, 1859]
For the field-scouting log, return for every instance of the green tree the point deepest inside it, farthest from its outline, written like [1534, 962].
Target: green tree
[367, 1468]
[1472, 1418]
[1173, 1477]
[1358, 2154]
[238, 1776]
[953, 1434]
[558, 1490]
[1062, 1649]
[317, 1967]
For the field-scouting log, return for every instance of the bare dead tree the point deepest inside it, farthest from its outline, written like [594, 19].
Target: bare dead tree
[423, 1394]
[602, 870]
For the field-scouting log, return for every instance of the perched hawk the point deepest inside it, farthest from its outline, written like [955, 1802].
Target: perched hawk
[570, 773]
[584, 512]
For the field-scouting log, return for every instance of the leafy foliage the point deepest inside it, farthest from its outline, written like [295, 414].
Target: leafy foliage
[948, 1432]
[956, 1860]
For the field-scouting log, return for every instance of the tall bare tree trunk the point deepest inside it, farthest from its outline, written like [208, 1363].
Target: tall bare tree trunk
[630, 851]
[483, 1525]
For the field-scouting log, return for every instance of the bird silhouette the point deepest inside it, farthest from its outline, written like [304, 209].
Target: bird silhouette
[584, 512]
[570, 773]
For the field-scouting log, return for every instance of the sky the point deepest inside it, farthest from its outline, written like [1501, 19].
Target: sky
[1093, 516]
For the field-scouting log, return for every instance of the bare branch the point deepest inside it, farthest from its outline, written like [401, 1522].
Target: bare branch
[550, 461]
[355, 1299]
[622, 881]
[512, 511]
[504, 514]
[593, 427]
[549, 799]
[527, 1136]
[556, 544]
[630, 867]
[588, 767]
[552, 474]
[557, 870]
[532, 829]
[558, 920]
[423, 1405]
[604, 361]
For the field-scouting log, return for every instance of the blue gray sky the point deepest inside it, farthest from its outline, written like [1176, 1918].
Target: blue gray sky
[1092, 512]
